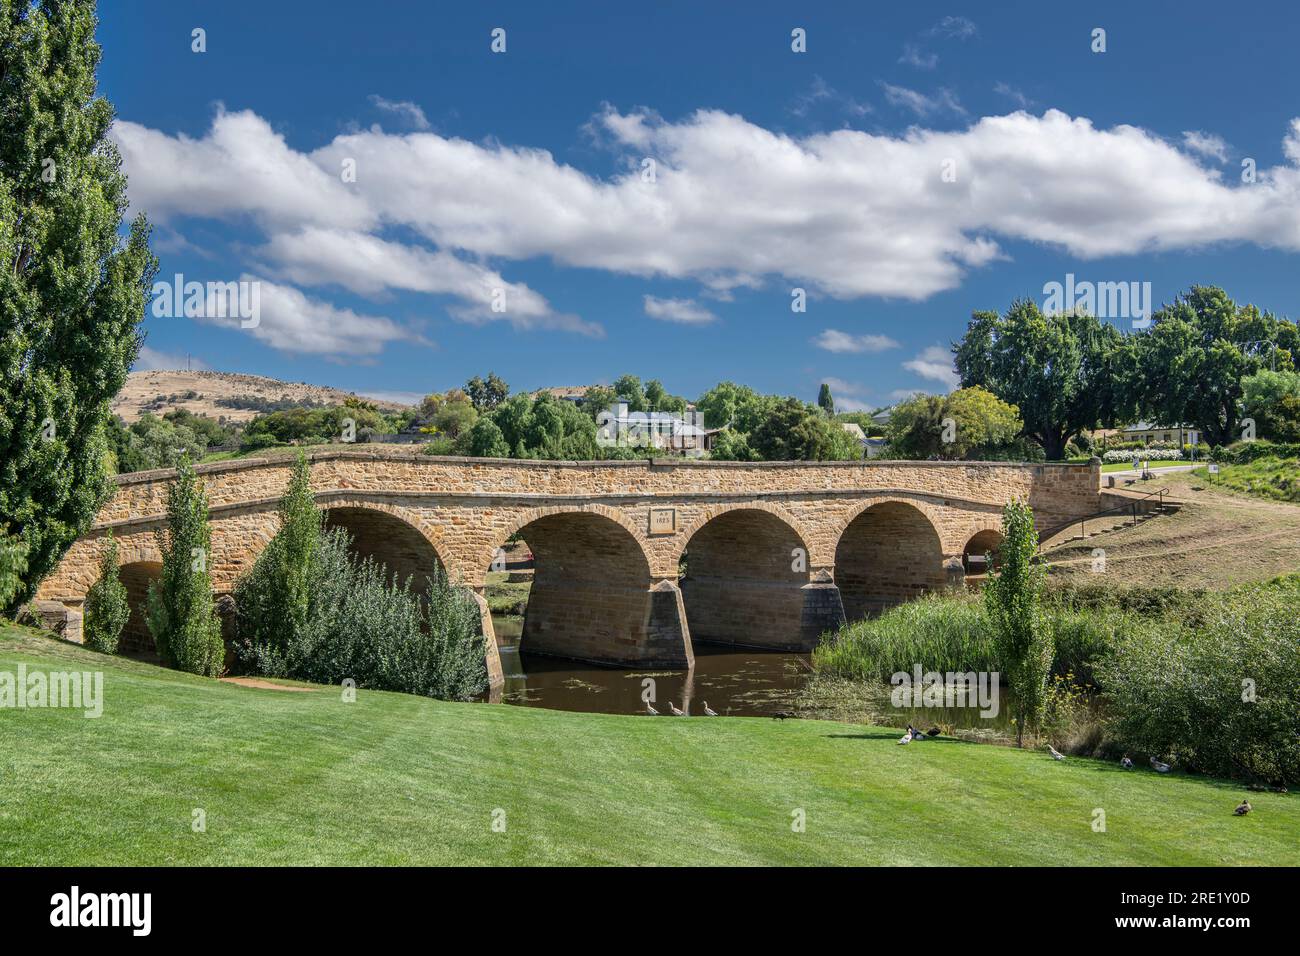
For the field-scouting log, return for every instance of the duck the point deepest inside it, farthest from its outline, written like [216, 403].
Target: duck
[709, 711]
[675, 710]
[1125, 762]
[649, 709]
[1159, 767]
[1056, 754]
[1243, 809]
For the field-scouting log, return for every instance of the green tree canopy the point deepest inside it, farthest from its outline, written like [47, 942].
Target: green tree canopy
[72, 290]
[1198, 352]
[970, 423]
[1064, 372]
[485, 395]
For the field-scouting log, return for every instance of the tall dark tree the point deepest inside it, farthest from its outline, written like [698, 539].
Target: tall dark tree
[1197, 352]
[72, 290]
[825, 401]
[1065, 372]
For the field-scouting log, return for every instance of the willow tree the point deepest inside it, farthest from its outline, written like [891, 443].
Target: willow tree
[73, 284]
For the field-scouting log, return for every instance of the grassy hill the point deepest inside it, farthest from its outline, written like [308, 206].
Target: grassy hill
[302, 777]
[1218, 539]
[202, 392]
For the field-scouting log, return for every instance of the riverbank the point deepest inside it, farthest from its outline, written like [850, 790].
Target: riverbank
[393, 779]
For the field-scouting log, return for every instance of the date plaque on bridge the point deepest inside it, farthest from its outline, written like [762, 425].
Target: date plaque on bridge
[663, 520]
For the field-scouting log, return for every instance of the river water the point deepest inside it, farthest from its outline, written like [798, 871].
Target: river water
[737, 682]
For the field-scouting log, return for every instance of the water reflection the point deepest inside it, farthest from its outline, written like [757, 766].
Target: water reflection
[735, 682]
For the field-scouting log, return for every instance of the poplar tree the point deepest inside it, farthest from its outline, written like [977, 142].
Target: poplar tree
[274, 597]
[1012, 594]
[72, 287]
[182, 614]
[107, 607]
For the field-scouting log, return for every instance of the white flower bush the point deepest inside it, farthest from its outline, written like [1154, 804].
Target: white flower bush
[1154, 453]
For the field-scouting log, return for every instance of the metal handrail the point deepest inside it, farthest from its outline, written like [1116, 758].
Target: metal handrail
[1131, 507]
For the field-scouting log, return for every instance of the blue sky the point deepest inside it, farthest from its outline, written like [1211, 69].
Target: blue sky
[820, 170]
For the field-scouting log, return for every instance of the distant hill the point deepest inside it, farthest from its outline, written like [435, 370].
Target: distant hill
[199, 392]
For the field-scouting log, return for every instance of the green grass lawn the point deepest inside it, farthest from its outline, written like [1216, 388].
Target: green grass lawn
[1277, 479]
[293, 777]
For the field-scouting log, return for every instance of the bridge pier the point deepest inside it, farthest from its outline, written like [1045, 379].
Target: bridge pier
[823, 609]
[491, 652]
[604, 624]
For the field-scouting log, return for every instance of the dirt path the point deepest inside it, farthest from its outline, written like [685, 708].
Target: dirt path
[264, 685]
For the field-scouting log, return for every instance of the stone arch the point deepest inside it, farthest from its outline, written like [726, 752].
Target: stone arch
[137, 575]
[981, 543]
[746, 574]
[715, 511]
[593, 596]
[401, 539]
[890, 551]
[522, 521]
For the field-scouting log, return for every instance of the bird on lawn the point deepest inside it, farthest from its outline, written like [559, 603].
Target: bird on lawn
[1125, 762]
[649, 709]
[675, 710]
[907, 737]
[783, 715]
[1056, 754]
[1159, 767]
[709, 711]
[1244, 809]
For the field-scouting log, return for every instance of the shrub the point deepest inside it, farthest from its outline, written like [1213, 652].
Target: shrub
[362, 625]
[182, 615]
[1154, 453]
[1221, 699]
[953, 633]
[107, 609]
[1245, 452]
[938, 632]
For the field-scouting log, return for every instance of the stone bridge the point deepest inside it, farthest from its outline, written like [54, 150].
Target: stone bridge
[633, 559]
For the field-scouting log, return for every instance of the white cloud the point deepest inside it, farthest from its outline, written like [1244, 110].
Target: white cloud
[368, 265]
[833, 340]
[398, 398]
[153, 360]
[1207, 144]
[848, 396]
[902, 394]
[293, 322]
[957, 28]
[913, 55]
[820, 91]
[735, 205]
[404, 108]
[1013, 94]
[686, 311]
[944, 101]
[935, 363]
